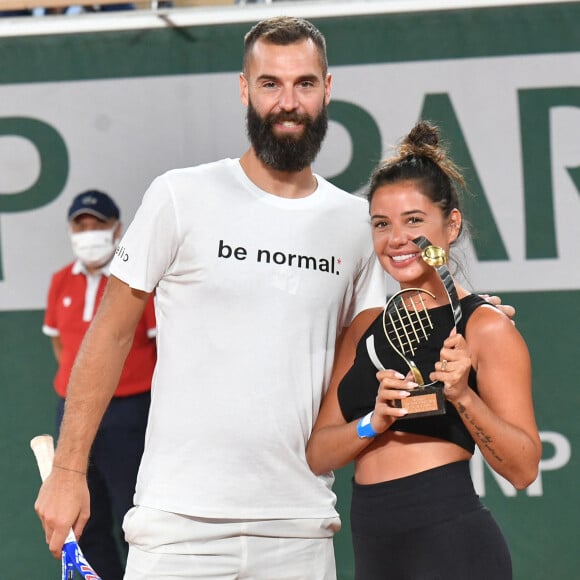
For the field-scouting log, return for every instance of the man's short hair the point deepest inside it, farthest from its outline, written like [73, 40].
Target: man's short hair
[282, 31]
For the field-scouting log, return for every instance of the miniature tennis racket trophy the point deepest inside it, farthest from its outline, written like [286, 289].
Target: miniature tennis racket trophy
[407, 325]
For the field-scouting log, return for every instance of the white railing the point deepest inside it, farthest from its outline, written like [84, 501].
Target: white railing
[152, 4]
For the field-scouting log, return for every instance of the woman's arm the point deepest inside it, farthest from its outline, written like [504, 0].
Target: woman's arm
[501, 418]
[334, 442]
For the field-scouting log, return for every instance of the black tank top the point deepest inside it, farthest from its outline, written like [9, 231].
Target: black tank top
[358, 389]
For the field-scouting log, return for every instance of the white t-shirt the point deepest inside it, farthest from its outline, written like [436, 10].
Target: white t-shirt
[251, 293]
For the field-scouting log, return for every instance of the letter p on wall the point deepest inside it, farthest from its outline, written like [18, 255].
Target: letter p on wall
[54, 166]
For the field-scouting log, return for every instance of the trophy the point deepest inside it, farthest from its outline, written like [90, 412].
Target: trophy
[407, 325]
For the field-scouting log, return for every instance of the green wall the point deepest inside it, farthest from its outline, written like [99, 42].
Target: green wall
[28, 408]
[541, 531]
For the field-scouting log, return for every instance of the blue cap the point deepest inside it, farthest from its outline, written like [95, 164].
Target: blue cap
[94, 203]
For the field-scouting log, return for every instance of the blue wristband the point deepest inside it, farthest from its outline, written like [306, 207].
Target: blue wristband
[364, 428]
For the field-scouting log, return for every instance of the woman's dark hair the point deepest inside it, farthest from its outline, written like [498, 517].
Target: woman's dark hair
[422, 159]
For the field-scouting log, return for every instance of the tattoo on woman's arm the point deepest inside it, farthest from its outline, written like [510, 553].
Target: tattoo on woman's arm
[484, 439]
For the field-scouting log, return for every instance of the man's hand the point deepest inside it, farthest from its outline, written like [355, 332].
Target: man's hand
[63, 503]
[508, 310]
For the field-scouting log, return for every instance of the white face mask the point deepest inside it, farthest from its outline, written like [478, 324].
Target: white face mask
[94, 247]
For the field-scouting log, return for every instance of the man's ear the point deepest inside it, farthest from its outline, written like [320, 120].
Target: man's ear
[244, 89]
[327, 89]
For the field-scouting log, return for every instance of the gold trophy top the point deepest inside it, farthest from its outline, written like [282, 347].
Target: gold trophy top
[434, 256]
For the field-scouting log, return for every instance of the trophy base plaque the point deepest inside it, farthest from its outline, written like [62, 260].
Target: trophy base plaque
[424, 401]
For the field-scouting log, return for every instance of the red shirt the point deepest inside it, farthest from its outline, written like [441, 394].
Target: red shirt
[73, 299]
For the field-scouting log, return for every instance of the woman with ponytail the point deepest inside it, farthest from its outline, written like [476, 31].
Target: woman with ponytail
[414, 513]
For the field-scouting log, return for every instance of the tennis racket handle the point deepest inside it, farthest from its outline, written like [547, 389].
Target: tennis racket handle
[43, 448]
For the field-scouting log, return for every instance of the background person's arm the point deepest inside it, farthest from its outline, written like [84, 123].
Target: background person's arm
[56, 347]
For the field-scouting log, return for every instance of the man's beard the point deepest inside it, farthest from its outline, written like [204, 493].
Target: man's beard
[286, 153]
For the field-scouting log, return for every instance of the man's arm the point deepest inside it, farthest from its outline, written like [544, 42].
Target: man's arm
[63, 500]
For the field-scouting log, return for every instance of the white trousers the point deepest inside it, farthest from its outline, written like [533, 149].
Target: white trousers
[164, 546]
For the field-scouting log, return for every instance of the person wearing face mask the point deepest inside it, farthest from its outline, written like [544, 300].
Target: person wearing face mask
[74, 295]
